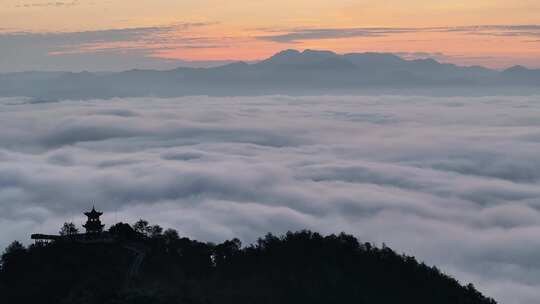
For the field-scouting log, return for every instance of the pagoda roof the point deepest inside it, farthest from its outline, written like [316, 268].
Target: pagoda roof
[93, 213]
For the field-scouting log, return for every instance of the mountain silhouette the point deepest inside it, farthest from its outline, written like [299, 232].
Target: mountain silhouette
[287, 72]
[521, 75]
[145, 264]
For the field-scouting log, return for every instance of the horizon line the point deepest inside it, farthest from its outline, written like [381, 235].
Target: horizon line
[214, 63]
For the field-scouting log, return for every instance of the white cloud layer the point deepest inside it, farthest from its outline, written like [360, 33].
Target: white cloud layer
[454, 181]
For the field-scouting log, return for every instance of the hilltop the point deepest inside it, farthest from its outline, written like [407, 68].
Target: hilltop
[143, 264]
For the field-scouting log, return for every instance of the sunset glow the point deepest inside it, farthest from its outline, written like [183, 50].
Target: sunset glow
[490, 33]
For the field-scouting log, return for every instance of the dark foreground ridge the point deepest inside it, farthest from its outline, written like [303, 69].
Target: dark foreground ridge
[144, 264]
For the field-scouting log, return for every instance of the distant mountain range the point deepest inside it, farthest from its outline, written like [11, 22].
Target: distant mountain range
[287, 72]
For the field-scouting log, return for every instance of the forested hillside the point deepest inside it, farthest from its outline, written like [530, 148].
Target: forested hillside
[146, 265]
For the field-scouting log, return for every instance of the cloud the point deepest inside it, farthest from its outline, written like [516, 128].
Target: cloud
[109, 49]
[150, 47]
[527, 30]
[151, 34]
[452, 180]
[424, 55]
[48, 4]
[295, 35]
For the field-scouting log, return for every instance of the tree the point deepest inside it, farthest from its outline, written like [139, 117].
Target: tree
[154, 231]
[225, 251]
[13, 254]
[123, 230]
[14, 248]
[141, 226]
[68, 229]
[170, 235]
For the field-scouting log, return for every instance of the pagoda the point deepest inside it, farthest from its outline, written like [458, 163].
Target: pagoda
[93, 224]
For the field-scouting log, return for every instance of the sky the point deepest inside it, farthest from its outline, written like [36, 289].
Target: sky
[121, 34]
[454, 181]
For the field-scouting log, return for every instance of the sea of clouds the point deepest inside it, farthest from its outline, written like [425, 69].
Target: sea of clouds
[454, 181]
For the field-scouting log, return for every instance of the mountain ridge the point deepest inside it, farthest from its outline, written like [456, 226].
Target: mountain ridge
[286, 72]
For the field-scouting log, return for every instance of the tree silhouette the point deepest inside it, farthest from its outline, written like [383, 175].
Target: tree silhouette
[14, 248]
[68, 229]
[154, 231]
[141, 226]
[13, 258]
[298, 267]
[123, 231]
[171, 235]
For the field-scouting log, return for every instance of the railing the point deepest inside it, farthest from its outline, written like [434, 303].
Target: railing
[104, 237]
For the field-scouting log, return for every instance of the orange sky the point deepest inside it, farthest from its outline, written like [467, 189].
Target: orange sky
[452, 31]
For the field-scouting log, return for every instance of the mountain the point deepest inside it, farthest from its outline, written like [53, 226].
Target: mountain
[307, 59]
[521, 75]
[287, 72]
[124, 266]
